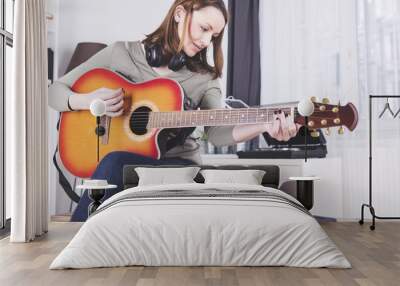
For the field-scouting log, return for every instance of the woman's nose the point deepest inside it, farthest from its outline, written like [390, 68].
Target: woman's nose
[205, 41]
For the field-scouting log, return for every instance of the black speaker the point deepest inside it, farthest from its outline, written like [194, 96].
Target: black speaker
[50, 64]
[298, 140]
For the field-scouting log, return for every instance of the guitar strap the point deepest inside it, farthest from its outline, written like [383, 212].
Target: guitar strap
[61, 177]
[178, 136]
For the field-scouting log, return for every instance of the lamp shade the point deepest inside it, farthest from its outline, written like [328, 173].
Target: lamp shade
[83, 52]
[98, 107]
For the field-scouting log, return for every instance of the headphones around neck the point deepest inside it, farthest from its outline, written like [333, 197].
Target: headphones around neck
[156, 58]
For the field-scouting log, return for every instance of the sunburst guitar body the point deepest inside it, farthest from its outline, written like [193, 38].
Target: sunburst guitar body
[77, 135]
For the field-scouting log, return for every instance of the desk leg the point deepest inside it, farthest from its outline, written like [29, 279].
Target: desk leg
[305, 193]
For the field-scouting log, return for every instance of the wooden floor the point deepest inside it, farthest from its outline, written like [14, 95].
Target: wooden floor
[375, 257]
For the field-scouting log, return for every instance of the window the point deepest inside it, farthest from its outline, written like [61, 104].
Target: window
[6, 44]
[9, 18]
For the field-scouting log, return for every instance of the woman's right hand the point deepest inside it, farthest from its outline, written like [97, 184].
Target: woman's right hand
[113, 98]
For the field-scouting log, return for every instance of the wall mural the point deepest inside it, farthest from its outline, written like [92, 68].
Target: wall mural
[138, 102]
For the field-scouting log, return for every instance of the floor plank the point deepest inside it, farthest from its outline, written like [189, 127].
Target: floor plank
[374, 255]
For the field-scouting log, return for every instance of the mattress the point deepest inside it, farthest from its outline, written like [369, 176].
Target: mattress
[201, 225]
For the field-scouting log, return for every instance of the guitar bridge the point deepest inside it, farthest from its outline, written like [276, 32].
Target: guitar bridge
[105, 122]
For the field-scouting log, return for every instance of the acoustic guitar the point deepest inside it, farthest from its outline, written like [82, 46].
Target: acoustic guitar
[153, 106]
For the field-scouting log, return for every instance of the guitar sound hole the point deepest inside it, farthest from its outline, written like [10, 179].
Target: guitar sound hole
[139, 119]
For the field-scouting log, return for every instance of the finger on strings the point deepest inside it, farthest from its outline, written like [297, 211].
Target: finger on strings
[115, 114]
[115, 107]
[114, 100]
[291, 126]
[284, 126]
[115, 93]
[292, 131]
[275, 127]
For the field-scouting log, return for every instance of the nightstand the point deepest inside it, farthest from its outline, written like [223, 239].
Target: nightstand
[96, 193]
[305, 190]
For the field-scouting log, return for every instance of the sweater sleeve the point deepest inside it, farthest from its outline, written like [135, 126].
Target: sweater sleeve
[212, 99]
[60, 90]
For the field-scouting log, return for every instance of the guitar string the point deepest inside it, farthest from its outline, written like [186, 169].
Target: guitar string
[172, 116]
[220, 111]
[200, 117]
[142, 120]
[238, 110]
[172, 113]
[156, 125]
[245, 110]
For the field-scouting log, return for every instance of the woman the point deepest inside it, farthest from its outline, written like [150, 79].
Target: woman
[178, 50]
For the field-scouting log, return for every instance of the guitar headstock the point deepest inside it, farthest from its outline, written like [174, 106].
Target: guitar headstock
[330, 115]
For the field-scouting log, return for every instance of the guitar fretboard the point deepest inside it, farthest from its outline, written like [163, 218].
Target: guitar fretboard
[214, 117]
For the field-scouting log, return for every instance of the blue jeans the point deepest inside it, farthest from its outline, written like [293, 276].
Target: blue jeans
[110, 169]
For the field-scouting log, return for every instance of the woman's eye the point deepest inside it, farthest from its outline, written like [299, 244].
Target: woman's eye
[204, 29]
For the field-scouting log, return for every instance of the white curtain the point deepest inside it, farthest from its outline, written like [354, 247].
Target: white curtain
[26, 128]
[379, 74]
[343, 50]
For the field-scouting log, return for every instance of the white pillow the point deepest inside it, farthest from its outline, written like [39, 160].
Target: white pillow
[163, 176]
[248, 177]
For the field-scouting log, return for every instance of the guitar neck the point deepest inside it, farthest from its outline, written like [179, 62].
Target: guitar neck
[215, 117]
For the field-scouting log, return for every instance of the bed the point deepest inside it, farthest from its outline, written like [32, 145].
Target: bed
[199, 224]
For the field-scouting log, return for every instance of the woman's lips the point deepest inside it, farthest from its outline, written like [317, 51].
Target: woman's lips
[196, 47]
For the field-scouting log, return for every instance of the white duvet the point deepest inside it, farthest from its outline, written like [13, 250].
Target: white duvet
[200, 231]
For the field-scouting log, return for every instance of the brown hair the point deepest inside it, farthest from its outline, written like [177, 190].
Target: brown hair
[166, 35]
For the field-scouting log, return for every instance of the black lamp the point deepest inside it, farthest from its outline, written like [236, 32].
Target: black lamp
[98, 109]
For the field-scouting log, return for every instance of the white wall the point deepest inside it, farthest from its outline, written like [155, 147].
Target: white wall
[333, 49]
[309, 48]
[98, 21]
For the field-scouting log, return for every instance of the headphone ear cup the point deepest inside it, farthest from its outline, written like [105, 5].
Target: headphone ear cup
[154, 55]
[155, 58]
[177, 61]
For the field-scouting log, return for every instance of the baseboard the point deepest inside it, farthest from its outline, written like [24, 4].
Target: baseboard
[61, 218]
[325, 219]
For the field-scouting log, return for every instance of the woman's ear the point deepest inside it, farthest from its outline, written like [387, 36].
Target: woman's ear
[179, 14]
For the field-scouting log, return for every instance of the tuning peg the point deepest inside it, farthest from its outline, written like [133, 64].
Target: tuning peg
[336, 108]
[314, 133]
[327, 131]
[325, 100]
[313, 98]
[341, 130]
